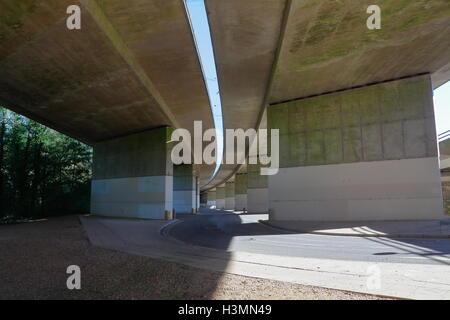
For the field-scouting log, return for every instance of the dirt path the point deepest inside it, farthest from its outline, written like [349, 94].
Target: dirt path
[34, 257]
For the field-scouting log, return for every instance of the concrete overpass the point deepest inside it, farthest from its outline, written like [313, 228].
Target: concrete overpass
[353, 105]
[444, 150]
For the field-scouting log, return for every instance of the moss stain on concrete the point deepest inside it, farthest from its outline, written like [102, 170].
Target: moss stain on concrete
[12, 21]
[339, 27]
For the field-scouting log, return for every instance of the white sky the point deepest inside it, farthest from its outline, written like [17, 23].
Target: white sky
[442, 108]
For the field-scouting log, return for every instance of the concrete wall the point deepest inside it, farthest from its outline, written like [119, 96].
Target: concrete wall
[241, 192]
[184, 189]
[257, 193]
[363, 154]
[229, 195]
[220, 197]
[132, 176]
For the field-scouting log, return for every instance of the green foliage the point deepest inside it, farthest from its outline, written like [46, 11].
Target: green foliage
[42, 172]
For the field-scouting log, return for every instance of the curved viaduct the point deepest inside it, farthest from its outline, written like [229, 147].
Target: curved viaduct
[353, 106]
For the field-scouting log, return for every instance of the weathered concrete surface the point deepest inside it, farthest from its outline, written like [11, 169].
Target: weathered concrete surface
[389, 121]
[211, 198]
[362, 154]
[229, 195]
[257, 192]
[240, 197]
[115, 76]
[446, 196]
[220, 197]
[245, 36]
[138, 155]
[327, 45]
[133, 176]
[444, 153]
[134, 66]
[184, 188]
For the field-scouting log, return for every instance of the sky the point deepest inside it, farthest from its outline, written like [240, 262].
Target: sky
[202, 36]
[442, 108]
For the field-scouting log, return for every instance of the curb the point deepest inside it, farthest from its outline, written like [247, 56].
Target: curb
[324, 233]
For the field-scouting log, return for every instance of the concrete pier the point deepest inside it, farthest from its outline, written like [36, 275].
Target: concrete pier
[133, 176]
[241, 192]
[229, 195]
[211, 199]
[257, 193]
[362, 154]
[184, 189]
[220, 197]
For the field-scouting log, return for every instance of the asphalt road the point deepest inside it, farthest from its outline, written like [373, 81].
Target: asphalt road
[233, 232]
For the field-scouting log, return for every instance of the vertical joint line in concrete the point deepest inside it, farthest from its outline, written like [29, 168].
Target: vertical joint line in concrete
[284, 22]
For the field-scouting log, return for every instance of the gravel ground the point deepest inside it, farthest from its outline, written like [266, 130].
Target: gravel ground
[34, 257]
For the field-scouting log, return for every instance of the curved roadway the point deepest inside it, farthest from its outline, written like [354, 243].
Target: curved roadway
[233, 232]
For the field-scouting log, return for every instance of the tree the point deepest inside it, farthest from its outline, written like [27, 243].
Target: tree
[42, 172]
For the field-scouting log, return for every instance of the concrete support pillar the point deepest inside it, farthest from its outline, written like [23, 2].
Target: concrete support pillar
[132, 176]
[363, 154]
[229, 195]
[184, 189]
[241, 192]
[446, 194]
[197, 181]
[203, 199]
[220, 197]
[211, 196]
[257, 194]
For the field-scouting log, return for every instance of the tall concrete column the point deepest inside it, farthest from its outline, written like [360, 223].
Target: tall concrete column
[220, 197]
[132, 176]
[203, 199]
[257, 193]
[229, 195]
[184, 189]
[446, 193]
[241, 192]
[363, 154]
[197, 183]
[211, 196]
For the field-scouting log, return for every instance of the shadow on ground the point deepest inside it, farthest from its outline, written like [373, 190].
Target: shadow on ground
[35, 257]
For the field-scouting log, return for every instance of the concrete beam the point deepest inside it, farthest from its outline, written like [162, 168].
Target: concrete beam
[245, 36]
